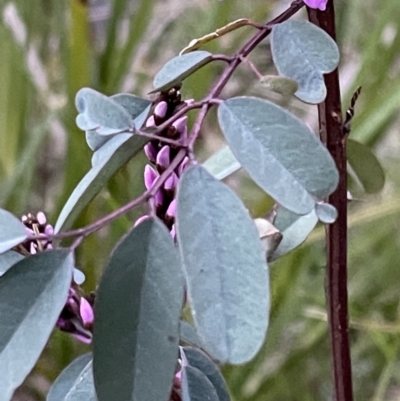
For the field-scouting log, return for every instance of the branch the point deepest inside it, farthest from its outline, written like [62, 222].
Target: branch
[333, 136]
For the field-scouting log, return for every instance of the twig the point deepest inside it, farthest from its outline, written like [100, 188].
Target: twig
[331, 129]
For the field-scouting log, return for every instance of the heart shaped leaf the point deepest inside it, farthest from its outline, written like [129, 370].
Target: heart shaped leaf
[32, 295]
[179, 68]
[66, 380]
[12, 231]
[225, 266]
[304, 52]
[279, 152]
[138, 305]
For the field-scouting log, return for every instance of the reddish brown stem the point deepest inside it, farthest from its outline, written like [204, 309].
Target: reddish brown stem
[333, 136]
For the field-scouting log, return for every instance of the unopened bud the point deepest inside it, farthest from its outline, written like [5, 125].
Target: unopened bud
[171, 182]
[41, 218]
[150, 122]
[159, 198]
[182, 166]
[150, 152]
[171, 211]
[160, 110]
[150, 175]
[163, 158]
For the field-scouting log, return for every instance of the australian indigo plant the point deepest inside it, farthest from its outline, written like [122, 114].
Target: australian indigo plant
[187, 288]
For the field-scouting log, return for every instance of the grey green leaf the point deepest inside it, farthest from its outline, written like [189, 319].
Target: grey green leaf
[12, 231]
[304, 52]
[222, 163]
[227, 275]
[279, 152]
[138, 306]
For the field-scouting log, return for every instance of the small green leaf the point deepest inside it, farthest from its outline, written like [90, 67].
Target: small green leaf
[12, 231]
[227, 275]
[282, 85]
[179, 68]
[32, 295]
[279, 152]
[196, 386]
[83, 387]
[326, 213]
[66, 380]
[294, 228]
[199, 360]
[8, 259]
[112, 155]
[304, 52]
[101, 113]
[222, 163]
[366, 166]
[138, 305]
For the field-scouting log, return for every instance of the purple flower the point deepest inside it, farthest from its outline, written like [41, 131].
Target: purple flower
[163, 158]
[150, 175]
[171, 211]
[171, 183]
[160, 110]
[321, 4]
[150, 152]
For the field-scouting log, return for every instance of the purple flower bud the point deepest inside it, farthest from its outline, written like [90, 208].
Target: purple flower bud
[49, 230]
[171, 182]
[159, 198]
[33, 248]
[150, 122]
[141, 220]
[151, 152]
[183, 165]
[29, 231]
[49, 246]
[160, 110]
[178, 379]
[173, 231]
[86, 312]
[171, 211]
[163, 159]
[150, 175]
[321, 4]
[41, 218]
[180, 125]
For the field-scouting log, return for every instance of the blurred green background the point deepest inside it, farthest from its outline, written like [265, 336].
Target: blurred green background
[49, 49]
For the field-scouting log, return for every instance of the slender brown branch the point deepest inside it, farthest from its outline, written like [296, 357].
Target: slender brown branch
[333, 136]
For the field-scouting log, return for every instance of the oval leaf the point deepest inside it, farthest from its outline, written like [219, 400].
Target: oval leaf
[225, 266]
[12, 231]
[304, 52]
[199, 360]
[8, 259]
[179, 68]
[222, 163]
[117, 152]
[83, 387]
[32, 295]
[66, 380]
[139, 300]
[101, 113]
[196, 386]
[366, 166]
[294, 228]
[326, 213]
[279, 152]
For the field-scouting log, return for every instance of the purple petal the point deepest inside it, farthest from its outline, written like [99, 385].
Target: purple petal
[171, 211]
[183, 165]
[180, 125]
[321, 4]
[171, 182]
[86, 311]
[150, 152]
[41, 218]
[141, 220]
[163, 159]
[49, 230]
[160, 110]
[150, 175]
[150, 122]
[159, 198]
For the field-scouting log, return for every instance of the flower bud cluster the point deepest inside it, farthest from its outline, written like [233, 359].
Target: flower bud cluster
[161, 156]
[77, 315]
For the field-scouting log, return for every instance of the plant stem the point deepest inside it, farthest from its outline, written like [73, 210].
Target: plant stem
[333, 136]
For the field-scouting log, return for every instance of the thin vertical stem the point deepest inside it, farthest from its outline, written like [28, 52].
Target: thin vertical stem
[332, 134]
